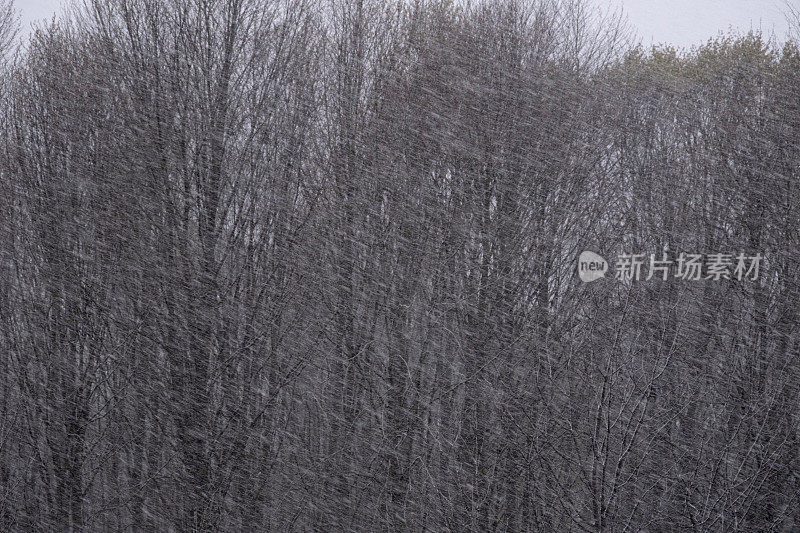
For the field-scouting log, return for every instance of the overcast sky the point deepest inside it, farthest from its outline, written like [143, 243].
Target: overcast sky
[32, 10]
[678, 22]
[687, 22]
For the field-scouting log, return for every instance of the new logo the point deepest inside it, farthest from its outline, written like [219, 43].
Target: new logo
[591, 266]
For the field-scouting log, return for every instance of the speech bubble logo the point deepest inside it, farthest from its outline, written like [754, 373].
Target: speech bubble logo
[591, 266]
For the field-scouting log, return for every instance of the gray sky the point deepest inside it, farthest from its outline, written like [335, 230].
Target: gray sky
[678, 22]
[31, 10]
[688, 22]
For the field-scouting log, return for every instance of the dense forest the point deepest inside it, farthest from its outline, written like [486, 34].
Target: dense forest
[290, 265]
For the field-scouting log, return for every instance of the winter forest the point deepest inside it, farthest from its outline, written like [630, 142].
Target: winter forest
[310, 265]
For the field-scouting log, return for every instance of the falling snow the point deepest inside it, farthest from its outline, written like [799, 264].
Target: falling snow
[288, 265]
